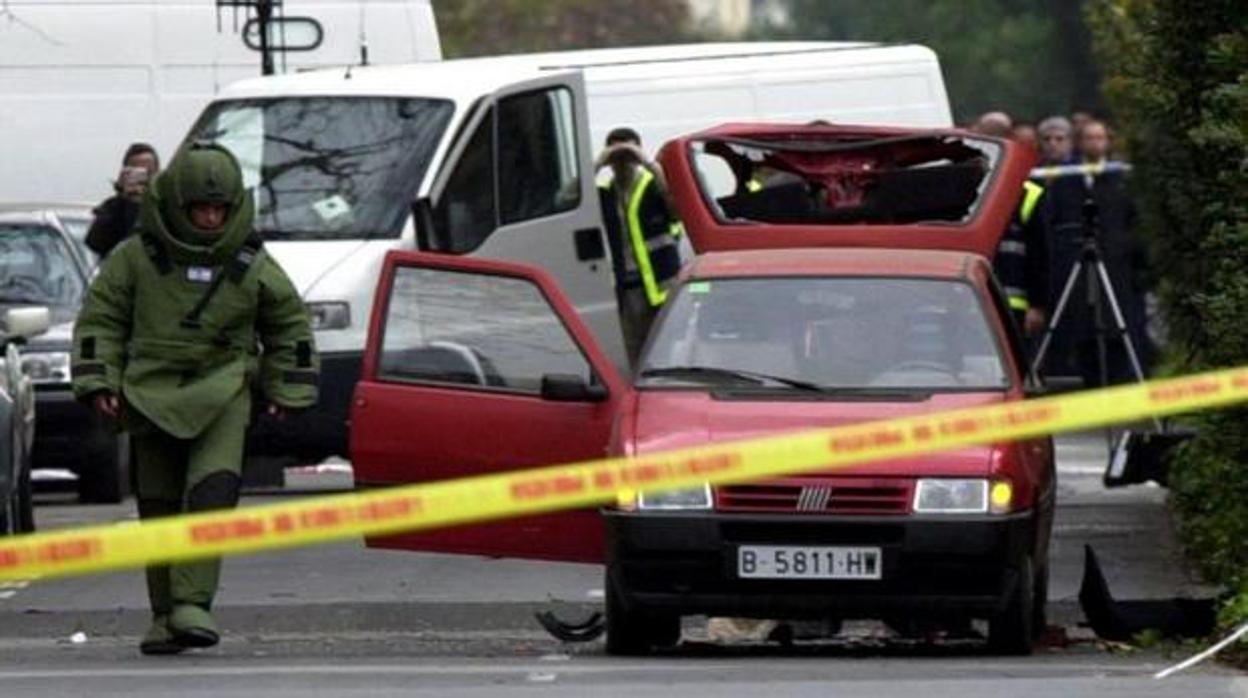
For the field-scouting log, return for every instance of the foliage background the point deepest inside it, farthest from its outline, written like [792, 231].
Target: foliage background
[1177, 79]
[1029, 57]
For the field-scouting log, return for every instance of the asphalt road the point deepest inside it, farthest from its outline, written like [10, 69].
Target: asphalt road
[343, 620]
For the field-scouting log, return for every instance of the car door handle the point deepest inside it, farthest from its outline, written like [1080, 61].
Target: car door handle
[589, 245]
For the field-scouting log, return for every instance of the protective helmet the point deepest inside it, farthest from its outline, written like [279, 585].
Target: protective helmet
[202, 173]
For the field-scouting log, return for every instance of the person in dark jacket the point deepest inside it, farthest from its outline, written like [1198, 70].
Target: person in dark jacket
[643, 233]
[115, 216]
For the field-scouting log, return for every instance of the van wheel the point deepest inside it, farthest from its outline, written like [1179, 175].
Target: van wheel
[635, 631]
[1011, 631]
[105, 475]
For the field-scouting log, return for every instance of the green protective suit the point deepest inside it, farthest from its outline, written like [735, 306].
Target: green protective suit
[185, 325]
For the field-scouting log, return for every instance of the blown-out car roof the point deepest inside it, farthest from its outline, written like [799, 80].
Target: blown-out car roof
[834, 262]
[752, 186]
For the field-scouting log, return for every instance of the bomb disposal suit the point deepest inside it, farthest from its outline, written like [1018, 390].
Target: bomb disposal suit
[184, 324]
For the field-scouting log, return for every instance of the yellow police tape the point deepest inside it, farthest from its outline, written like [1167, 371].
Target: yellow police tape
[427, 506]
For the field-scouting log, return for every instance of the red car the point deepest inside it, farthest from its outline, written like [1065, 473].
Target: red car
[475, 366]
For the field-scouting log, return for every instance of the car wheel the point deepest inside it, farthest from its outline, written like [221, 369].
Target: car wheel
[6, 517]
[1040, 611]
[105, 476]
[24, 507]
[635, 631]
[1011, 631]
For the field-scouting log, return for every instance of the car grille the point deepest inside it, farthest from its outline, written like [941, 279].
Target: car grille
[816, 495]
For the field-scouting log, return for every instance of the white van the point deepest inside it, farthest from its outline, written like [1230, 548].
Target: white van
[81, 79]
[493, 157]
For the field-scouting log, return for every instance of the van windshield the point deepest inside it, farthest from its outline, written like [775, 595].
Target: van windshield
[329, 168]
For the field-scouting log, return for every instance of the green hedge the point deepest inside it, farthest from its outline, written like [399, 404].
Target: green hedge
[1176, 75]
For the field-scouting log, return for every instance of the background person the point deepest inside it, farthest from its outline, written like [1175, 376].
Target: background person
[645, 236]
[1022, 262]
[115, 216]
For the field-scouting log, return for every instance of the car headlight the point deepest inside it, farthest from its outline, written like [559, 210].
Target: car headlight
[949, 496]
[693, 498]
[46, 366]
[330, 315]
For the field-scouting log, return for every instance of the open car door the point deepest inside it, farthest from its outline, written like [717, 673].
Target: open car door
[754, 186]
[475, 367]
[518, 185]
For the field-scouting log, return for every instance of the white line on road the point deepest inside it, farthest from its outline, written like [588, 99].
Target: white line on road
[605, 666]
[7, 594]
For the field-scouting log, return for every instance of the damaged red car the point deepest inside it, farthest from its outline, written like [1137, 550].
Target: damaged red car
[843, 276]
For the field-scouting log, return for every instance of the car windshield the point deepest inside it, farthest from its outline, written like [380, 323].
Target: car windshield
[831, 333]
[820, 179]
[329, 168]
[37, 268]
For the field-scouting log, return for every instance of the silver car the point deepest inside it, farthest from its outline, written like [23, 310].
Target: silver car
[42, 262]
[17, 420]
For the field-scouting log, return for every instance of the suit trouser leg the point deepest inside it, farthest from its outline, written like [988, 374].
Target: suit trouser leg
[213, 478]
[160, 476]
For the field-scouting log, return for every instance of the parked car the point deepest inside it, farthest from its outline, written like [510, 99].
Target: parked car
[851, 284]
[17, 420]
[42, 263]
[74, 219]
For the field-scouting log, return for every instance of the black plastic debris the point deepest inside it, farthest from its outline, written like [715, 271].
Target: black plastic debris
[1120, 621]
[587, 630]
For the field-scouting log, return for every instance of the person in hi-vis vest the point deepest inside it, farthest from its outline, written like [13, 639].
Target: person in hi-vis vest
[642, 231]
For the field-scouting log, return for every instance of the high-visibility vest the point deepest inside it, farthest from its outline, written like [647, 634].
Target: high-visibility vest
[1011, 259]
[654, 247]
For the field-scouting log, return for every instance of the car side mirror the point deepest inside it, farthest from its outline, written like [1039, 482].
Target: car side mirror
[422, 222]
[23, 323]
[559, 387]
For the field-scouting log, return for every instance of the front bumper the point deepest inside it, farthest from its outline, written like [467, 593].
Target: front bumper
[319, 432]
[933, 567]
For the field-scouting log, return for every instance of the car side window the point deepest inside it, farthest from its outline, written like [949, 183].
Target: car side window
[467, 213]
[537, 158]
[520, 164]
[490, 332]
[1012, 332]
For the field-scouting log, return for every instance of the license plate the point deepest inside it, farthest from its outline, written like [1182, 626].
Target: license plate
[807, 562]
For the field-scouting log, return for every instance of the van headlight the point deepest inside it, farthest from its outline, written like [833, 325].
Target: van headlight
[675, 500]
[46, 366]
[950, 496]
[329, 315]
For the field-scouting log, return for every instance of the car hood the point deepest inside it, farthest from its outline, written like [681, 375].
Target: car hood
[671, 419]
[310, 263]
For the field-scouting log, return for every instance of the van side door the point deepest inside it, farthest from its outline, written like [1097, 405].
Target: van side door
[477, 367]
[519, 186]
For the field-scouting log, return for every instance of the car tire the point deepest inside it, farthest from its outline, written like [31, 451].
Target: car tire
[7, 507]
[105, 475]
[633, 631]
[1040, 610]
[24, 506]
[1011, 630]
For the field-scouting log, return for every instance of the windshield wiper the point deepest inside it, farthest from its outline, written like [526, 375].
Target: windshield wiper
[752, 377]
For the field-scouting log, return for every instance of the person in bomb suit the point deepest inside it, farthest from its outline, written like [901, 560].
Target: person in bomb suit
[187, 320]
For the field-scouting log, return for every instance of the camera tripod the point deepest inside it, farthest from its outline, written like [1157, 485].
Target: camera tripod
[1100, 291]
